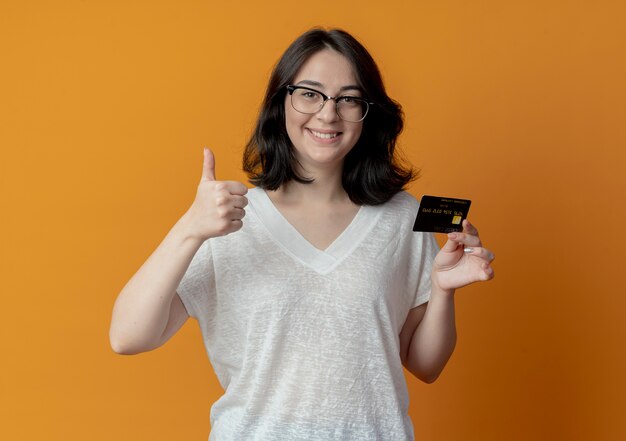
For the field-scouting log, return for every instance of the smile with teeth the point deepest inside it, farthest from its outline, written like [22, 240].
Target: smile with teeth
[324, 135]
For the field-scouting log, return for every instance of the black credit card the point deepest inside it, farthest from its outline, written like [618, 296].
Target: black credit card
[441, 215]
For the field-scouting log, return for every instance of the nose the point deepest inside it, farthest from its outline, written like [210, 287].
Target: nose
[328, 112]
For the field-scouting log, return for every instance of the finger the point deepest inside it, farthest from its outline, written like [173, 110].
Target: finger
[483, 253]
[208, 168]
[237, 213]
[466, 239]
[239, 201]
[469, 228]
[488, 272]
[227, 201]
[450, 245]
[233, 187]
[235, 225]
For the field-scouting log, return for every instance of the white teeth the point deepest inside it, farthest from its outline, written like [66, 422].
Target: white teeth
[324, 135]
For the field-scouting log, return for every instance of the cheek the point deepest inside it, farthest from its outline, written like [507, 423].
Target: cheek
[294, 121]
[289, 122]
[358, 131]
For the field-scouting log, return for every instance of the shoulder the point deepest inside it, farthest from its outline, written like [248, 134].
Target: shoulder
[255, 193]
[402, 203]
[403, 199]
[258, 201]
[398, 212]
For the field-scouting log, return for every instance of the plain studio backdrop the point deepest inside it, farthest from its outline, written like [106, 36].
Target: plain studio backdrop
[519, 106]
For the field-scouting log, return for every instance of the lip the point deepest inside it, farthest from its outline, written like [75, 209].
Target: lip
[323, 130]
[324, 140]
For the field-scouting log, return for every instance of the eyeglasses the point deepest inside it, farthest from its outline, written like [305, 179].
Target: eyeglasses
[307, 100]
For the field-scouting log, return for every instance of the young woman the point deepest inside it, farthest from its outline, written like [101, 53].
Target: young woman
[310, 305]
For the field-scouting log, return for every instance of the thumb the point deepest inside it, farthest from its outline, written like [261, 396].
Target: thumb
[452, 243]
[208, 168]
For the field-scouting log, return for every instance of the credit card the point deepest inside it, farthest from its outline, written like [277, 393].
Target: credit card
[441, 215]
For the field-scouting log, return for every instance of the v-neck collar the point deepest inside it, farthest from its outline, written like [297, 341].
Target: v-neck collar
[292, 242]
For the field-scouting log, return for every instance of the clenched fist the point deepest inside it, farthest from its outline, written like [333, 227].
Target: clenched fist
[218, 209]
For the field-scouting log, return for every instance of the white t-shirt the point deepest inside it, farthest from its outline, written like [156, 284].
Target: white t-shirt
[305, 342]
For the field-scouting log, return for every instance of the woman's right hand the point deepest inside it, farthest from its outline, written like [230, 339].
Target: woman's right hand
[218, 209]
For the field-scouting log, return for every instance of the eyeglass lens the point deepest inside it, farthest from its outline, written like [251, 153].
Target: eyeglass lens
[348, 108]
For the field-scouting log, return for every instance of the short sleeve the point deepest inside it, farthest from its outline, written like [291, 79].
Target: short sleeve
[425, 248]
[197, 285]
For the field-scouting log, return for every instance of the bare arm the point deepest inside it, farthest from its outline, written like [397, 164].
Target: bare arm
[428, 336]
[142, 309]
[148, 311]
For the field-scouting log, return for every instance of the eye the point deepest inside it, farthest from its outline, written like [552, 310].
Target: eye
[308, 95]
[349, 101]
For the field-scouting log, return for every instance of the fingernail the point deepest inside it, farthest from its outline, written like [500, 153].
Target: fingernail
[452, 235]
[468, 250]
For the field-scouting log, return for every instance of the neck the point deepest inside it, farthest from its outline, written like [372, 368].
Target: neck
[325, 188]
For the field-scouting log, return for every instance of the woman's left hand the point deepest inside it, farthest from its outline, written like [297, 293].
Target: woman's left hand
[462, 260]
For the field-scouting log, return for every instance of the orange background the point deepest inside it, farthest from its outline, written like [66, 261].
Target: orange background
[519, 106]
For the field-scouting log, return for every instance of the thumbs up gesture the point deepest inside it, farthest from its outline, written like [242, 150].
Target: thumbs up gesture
[218, 209]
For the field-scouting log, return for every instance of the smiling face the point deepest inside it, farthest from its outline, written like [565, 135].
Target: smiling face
[322, 140]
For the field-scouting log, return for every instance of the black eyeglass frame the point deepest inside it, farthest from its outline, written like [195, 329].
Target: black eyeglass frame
[292, 88]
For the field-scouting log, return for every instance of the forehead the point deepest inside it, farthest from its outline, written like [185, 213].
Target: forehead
[329, 68]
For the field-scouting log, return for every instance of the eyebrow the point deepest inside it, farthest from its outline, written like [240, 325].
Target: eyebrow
[318, 84]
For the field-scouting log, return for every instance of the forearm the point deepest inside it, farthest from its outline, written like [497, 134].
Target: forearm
[434, 338]
[141, 311]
